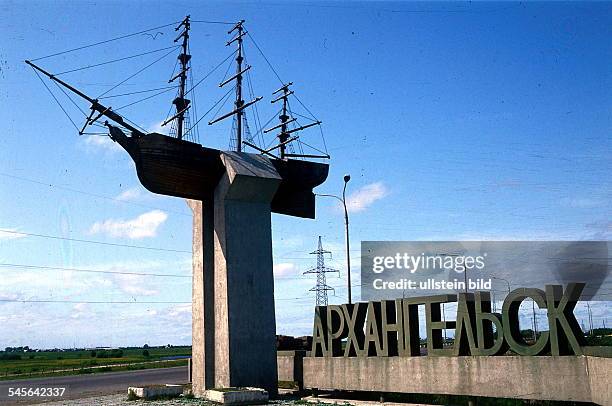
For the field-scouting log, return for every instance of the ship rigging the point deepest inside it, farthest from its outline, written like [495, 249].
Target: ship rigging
[182, 128]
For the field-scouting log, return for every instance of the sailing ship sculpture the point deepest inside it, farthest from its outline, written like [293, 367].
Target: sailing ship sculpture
[172, 165]
[232, 195]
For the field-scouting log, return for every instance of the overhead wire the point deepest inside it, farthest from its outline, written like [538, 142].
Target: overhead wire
[88, 301]
[93, 270]
[55, 237]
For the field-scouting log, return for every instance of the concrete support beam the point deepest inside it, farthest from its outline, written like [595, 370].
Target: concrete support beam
[234, 326]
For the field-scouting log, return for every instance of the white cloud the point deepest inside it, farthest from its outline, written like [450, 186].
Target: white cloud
[130, 195]
[157, 128]
[363, 198]
[582, 202]
[135, 285]
[284, 269]
[9, 234]
[143, 226]
[100, 143]
[179, 310]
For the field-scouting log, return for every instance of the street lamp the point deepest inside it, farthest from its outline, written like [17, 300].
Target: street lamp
[507, 283]
[342, 199]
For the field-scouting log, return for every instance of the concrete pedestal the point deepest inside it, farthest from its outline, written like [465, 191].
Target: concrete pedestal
[234, 325]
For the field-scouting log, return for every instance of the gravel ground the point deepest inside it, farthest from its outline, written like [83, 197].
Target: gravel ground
[121, 400]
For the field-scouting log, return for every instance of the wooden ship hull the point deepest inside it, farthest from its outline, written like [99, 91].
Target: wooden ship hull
[169, 166]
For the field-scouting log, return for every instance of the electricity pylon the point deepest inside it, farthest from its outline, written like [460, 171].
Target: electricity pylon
[321, 287]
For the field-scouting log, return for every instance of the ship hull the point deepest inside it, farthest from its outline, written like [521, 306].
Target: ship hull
[168, 166]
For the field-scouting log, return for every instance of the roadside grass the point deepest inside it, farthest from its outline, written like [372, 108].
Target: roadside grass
[54, 363]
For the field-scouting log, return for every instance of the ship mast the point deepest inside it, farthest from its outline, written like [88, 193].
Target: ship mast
[284, 135]
[239, 104]
[180, 102]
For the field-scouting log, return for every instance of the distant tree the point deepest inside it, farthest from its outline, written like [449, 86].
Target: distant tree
[93, 353]
[145, 353]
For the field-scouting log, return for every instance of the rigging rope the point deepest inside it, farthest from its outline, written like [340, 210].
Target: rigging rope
[224, 99]
[55, 98]
[213, 22]
[211, 72]
[255, 108]
[143, 99]
[105, 41]
[70, 98]
[196, 137]
[140, 71]
[116, 60]
[140, 91]
[264, 57]
[296, 97]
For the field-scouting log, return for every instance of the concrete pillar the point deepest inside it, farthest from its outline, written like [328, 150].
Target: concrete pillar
[203, 294]
[233, 293]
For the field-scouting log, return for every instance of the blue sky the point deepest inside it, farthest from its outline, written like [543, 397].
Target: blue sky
[455, 120]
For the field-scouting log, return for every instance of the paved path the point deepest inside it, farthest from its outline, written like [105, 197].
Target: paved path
[78, 386]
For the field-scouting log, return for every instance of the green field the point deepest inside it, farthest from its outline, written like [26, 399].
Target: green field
[67, 362]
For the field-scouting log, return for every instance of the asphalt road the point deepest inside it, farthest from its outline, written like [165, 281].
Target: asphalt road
[79, 386]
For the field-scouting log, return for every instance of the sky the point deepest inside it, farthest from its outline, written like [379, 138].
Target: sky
[456, 121]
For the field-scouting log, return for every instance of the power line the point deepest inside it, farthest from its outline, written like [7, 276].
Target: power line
[93, 270]
[86, 301]
[89, 193]
[54, 237]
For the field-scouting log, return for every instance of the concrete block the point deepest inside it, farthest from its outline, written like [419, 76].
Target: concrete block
[237, 396]
[290, 366]
[565, 378]
[149, 392]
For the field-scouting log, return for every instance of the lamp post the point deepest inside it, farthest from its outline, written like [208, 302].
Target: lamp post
[504, 280]
[346, 231]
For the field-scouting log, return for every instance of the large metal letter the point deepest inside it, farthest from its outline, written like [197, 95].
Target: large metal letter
[372, 332]
[319, 347]
[337, 330]
[488, 344]
[354, 315]
[512, 331]
[565, 333]
[466, 326]
[392, 328]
